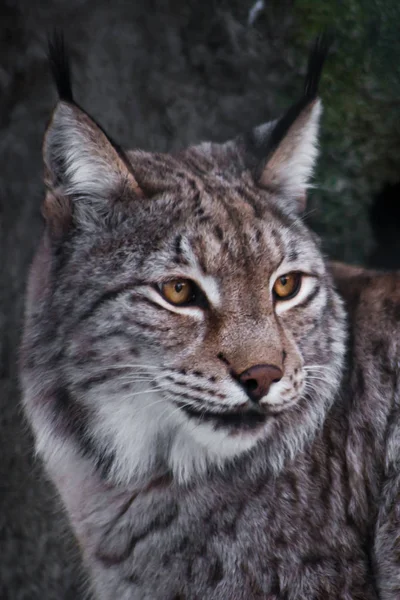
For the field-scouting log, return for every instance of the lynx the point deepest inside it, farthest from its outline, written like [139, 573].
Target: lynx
[216, 404]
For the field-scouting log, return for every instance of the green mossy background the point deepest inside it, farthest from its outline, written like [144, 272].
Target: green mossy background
[360, 141]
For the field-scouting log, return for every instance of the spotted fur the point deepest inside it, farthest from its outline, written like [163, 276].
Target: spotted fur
[177, 485]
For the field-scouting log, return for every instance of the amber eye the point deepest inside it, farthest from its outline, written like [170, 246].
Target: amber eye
[287, 286]
[178, 291]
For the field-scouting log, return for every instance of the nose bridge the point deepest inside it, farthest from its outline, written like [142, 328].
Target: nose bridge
[250, 341]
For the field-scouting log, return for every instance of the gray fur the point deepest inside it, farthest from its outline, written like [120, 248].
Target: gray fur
[170, 506]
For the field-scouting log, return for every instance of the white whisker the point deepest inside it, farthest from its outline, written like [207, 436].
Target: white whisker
[134, 379]
[312, 387]
[134, 366]
[158, 401]
[155, 389]
[177, 410]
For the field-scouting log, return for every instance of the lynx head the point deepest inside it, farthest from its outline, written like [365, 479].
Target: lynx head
[179, 311]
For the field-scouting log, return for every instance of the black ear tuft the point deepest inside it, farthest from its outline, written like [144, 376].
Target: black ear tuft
[60, 66]
[316, 60]
[263, 146]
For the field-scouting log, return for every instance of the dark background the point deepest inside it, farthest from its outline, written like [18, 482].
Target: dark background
[160, 75]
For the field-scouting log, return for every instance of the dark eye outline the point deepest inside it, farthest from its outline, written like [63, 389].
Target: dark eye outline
[296, 290]
[197, 298]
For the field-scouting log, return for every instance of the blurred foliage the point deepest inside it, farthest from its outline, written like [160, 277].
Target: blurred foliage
[360, 142]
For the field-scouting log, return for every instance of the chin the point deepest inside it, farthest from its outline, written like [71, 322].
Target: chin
[211, 441]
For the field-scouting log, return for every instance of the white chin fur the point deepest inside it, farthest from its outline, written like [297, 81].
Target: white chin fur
[198, 446]
[154, 428]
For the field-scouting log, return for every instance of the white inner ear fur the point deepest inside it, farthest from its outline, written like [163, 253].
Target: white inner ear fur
[291, 165]
[86, 160]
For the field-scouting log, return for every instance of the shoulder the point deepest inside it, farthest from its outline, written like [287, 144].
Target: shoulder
[372, 299]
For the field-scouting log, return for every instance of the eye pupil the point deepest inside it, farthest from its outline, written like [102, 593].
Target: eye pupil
[179, 292]
[287, 286]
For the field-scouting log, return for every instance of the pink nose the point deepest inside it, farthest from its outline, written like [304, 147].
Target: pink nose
[257, 380]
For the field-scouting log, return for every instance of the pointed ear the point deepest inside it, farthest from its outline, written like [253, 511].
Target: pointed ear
[285, 150]
[290, 164]
[84, 169]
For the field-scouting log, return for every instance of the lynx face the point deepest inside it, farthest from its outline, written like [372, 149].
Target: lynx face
[179, 310]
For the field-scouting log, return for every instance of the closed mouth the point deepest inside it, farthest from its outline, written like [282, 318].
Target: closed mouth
[250, 418]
